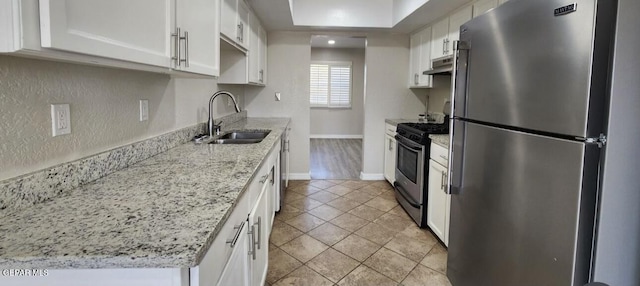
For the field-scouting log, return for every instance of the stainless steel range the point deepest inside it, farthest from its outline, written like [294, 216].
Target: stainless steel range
[412, 168]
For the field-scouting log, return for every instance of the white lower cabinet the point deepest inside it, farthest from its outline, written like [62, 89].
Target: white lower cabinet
[236, 272]
[259, 225]
[390, 153]
[438, 201]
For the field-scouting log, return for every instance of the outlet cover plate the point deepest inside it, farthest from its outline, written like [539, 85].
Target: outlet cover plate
[60, 119]
[278, 96]
[144, 110]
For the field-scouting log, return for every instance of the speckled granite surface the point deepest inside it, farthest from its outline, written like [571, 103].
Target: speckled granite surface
[397, 121]
[161, 212]
[440, 139]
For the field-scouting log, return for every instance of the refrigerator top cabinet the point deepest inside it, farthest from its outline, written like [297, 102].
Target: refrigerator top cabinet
[530, 66]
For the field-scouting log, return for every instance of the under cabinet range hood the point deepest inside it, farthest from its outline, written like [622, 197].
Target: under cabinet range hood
[440, 66]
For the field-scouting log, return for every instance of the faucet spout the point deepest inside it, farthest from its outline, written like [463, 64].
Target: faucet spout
[216, 128]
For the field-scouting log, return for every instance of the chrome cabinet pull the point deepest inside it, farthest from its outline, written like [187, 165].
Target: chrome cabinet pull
[444, 157]
[259, 223]
[186, 49]
[273, 175]
[252, 251]
[444, 46]
[443, 180]
[176, 46]
[234, 240]
[264, 178]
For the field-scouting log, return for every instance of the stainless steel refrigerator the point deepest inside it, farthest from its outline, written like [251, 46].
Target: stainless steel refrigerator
[530, 101]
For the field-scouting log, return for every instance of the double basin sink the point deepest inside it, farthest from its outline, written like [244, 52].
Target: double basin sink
[241, 137]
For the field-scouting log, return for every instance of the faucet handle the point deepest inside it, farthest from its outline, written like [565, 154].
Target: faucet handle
[217, 127]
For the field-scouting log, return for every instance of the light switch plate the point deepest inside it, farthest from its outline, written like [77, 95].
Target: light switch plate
[60, 119]
[144, 110]
[278, 96]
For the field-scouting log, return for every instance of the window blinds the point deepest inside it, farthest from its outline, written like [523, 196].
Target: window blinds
[330, 84]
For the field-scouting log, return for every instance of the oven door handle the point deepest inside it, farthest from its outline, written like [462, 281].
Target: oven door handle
[408, 144]
[404, 194]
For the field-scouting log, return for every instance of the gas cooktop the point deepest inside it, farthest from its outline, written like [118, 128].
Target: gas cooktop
[419, 132]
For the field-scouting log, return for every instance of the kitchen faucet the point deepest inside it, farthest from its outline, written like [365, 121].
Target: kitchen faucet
[211, 124]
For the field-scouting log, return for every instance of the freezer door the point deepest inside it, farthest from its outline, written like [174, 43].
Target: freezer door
[521, 213]
[528, 68]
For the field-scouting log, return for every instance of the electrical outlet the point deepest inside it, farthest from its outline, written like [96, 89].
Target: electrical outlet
[144, 110]
[60, 119]
[278, 98]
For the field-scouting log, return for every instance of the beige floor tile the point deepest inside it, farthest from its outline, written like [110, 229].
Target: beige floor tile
[337, 182]
[280, 264]
[393, 222]
[349, 222]
[282, 233]
[305, 189]
[381, 204]
[304, 276]
[287, 211]
[356, 247]
[423, 276]
[329, 234]
[390, 264]
[322, 184]
[355, 184]
[292, 196]
[365, 276]
[326, 212]
[398, 210]
[382, 185]
[323, 196]
[305, 222]
[304, 248]
[359, 196]
[372, 190]
[339, 190]
[305, 204]
[333, 264]
[389, 195]
[376, 233]
[344, 204]
[421, 234]
[294, 183]
[410, 248]
[366, 212]
[436, 259]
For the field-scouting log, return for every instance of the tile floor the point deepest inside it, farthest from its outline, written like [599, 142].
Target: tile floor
[348, 232]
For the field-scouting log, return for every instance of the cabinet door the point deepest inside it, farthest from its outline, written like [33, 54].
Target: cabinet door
[199, 24]
[263, 55]
[414, 59]
[254, 49]
[483, 6]
[136, 31]
[259, 244]
[236, 272]
[438, 201]
[425, 57]
[390, 159]
[440, 31]
[455, 21]
[244, 30]
[229, 19]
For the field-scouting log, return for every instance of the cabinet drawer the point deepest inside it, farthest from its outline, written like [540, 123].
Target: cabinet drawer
[439, 154]
[390, 129]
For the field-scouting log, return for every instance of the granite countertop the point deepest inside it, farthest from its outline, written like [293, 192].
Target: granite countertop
[440, 139]
[161, 212]
[397, 121]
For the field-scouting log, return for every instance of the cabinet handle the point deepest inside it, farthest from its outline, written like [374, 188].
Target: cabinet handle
[176, 46]
[447, 45]
[264, 178]
[286, 143]
[259, 223]
[234, 240]
[443, 180]
[186, 48]
[444, 157]
[252, 251]
[262, 76]
[444, 46]
[273, 175]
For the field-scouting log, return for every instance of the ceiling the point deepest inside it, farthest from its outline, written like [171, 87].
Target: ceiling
[276, 15]
[349, 42]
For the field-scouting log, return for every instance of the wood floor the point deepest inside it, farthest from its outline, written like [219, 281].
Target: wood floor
[336, 158]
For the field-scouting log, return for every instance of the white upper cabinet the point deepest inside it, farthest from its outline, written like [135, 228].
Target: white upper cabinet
[235, 23]
[483, 6]
[199, 39]
[446, 31]
[420, 59]
[138, 31]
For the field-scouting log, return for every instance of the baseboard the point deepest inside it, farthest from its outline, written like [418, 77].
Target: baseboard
[371, 177]
[299, 176]
[335, 136]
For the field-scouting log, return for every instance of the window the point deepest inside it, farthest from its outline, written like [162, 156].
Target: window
[330, 84]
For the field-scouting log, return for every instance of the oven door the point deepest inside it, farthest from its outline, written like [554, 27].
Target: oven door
[410, 171]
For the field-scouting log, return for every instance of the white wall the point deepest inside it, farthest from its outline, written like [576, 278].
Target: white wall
[341, 121]
[288, 58]
[104, 110]
[386, 95]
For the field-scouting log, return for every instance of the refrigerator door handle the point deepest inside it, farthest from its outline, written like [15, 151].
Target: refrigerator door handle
[459, 78]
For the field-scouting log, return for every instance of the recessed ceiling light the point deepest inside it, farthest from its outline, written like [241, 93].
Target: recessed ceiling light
[331, 42]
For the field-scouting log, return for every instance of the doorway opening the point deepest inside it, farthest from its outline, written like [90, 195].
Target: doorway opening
[337, 106]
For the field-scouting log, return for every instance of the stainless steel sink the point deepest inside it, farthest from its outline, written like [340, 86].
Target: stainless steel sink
[241, 137]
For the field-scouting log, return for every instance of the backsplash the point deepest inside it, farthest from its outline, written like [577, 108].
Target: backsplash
[46, 184]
